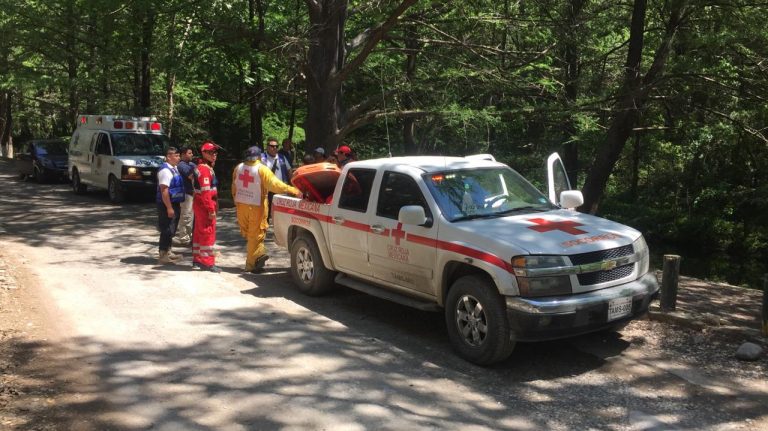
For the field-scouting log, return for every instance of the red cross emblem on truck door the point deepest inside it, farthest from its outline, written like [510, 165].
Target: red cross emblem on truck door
[398, 233]
[246, 178]
[543, 225]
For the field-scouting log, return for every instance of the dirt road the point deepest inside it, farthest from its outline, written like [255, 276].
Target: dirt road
[96, 336]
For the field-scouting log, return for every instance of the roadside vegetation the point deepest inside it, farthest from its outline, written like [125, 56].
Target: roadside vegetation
[658, 108]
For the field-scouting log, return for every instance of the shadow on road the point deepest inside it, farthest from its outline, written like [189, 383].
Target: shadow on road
[274, 370]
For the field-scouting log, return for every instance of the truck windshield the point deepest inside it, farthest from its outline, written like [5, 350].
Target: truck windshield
[139, 144]
[478, 193]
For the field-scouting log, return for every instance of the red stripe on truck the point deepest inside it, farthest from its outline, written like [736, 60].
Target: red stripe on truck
[416, 239]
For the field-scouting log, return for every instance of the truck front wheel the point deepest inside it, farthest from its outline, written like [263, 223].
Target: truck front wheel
[475, 314]
[307, 268]
[115, 190]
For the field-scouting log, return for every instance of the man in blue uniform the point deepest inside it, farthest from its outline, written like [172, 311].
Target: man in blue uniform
[170, 194]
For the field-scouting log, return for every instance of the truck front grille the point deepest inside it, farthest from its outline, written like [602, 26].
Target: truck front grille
[601, 255]
[598, 277]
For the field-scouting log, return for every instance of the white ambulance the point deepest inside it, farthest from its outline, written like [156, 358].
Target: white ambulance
[116, 153]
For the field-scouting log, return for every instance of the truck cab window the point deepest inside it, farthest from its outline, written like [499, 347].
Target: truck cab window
[397, 191]
[357, 189]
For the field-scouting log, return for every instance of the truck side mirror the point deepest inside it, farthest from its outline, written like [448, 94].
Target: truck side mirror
[571, 199]
[412, 214]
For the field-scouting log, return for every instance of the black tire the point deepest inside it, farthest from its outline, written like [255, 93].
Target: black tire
[115, 190]
[78, 187]
[476, 318]
[307, 268]
[39, 176]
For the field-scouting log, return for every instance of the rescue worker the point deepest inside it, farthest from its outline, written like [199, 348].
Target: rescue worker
[204, 207]
[319, 155]
[278, 164]
[251, 182]
[287, 151]
[170, 194]
[344, 155]
[186, 168]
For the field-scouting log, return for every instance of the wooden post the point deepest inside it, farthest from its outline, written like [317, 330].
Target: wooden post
[765, 305]
[669, 278]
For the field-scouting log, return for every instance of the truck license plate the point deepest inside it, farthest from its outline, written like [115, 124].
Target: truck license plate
[619, 307]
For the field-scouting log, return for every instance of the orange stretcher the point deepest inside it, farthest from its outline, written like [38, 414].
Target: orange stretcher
[317, 181]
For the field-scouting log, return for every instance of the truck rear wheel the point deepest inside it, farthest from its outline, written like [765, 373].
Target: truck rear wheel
[307, 268]
[476, 318]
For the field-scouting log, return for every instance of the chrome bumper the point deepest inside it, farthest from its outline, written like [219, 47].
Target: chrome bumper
[534, 319]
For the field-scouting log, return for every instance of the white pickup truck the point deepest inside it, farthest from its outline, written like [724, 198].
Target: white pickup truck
[472, 237]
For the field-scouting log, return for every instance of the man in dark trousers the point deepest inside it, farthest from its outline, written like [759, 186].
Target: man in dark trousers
[278, 164]
[186, 167]
[170, 194]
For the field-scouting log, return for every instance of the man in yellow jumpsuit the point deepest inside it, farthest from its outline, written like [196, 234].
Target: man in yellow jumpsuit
[251, 181]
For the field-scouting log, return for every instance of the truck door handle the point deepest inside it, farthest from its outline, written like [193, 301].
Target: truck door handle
[377, 228]
[338, 219]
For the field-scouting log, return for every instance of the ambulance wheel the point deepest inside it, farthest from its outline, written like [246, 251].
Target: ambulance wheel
[115, 190]
[78, 187]
[307, 268]
[476, 318]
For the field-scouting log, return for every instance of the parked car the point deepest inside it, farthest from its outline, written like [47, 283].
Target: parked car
[43, 159]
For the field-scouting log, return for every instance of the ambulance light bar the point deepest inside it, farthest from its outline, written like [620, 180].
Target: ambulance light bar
[120, 122]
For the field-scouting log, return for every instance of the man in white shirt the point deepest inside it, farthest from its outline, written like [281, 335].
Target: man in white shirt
[278, 164]
[170, 194]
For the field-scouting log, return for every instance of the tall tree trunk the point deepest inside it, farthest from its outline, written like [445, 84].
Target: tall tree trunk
[326, 69]
[170, 85]
[73, 62]
[631, 100]
[572, 59]
[409, 123]
[325, 57]
[147, 34]
[256, 11]
[6, 124]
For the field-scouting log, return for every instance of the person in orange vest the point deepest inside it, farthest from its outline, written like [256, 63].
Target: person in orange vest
[251, 182]
[205, 206]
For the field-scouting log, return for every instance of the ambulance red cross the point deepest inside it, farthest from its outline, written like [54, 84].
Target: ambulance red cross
[472, 238]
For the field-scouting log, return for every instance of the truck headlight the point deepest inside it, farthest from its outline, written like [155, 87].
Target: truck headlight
[545, 285]
[131, 173]
[641, 249]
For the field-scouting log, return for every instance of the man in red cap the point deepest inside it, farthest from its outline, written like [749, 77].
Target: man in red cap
[204, 206]
[344, 155]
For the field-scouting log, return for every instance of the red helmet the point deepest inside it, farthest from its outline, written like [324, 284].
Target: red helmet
[209, 146]
[344, 150]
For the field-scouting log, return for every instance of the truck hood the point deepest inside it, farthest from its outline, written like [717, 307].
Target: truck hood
[142, 161]
[560, 232]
